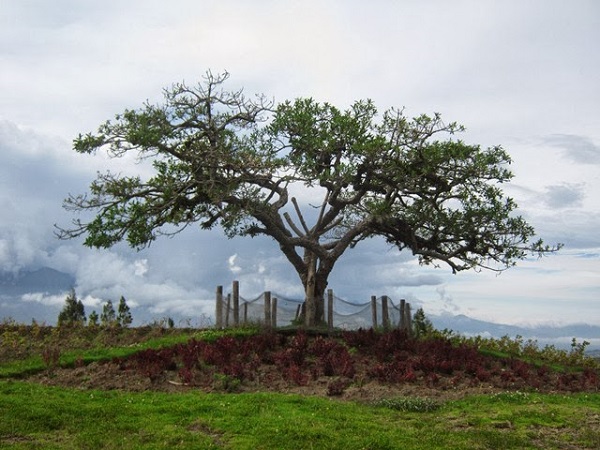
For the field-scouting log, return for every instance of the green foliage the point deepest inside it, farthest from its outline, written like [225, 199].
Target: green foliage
[212, 334]
[422, 326]
[124, 317]
[108, 317]
[93, 319]
[226, 383]
[73, 312]
[530, 350]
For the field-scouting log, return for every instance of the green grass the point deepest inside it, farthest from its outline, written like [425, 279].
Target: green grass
[68, 358]
[34, 416]
[35, 363]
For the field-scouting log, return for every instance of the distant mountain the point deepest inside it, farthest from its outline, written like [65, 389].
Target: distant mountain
[464, 324]
[560, 336]
[46, 280]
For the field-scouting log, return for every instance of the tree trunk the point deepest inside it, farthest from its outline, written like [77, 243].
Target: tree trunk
[314, 288]
[310, 302]
[314, 306]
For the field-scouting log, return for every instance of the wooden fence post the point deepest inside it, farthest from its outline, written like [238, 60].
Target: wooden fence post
[219, 307]
[268, 309]
[236, 303]
[274, 312]
[227, 310]
[408, 319]
[402, 320]
[374, 311]
[330, 310]
[385, 318]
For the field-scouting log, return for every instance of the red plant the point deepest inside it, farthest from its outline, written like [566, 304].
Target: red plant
[543, 371]
[152, 363]
[507, 377]
[190, 353]
[392, 357]
[295, 353]
[590, 378]
[483, 375]
[409, 376]
[295, 374]
[361, 339]
[433, 379]
[186, 375]
[520, 368]
[337, 387]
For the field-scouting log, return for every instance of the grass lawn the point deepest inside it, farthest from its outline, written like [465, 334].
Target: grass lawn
[34, 416]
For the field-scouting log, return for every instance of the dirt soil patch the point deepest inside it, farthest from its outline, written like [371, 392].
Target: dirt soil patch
[109, 376]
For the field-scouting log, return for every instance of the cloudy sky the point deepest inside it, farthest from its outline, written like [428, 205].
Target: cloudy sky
[523, 74]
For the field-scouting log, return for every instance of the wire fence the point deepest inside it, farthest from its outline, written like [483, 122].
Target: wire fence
[275, 310]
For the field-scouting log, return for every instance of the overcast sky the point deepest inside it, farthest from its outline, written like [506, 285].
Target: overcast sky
[523, 74]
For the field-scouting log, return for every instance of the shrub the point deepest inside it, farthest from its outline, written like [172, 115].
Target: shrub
[51, 357]
[337, 387]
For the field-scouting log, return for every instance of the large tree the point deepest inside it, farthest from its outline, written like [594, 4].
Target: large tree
[220, 158]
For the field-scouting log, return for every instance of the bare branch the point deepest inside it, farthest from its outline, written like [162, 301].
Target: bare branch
[292, 225]
[300, 216]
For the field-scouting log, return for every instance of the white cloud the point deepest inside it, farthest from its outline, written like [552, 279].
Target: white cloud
[233, 267]
[185, 307]
[90, 301]
[140, 267]
[40, 297]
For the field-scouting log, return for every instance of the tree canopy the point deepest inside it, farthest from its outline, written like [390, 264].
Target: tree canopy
[124, 317]
[223, 159]
[109, 316]
[73, 312]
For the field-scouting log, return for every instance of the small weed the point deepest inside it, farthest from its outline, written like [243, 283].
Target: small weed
[409, 404]
[512, 397]
[226, 383]
[51, 357]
